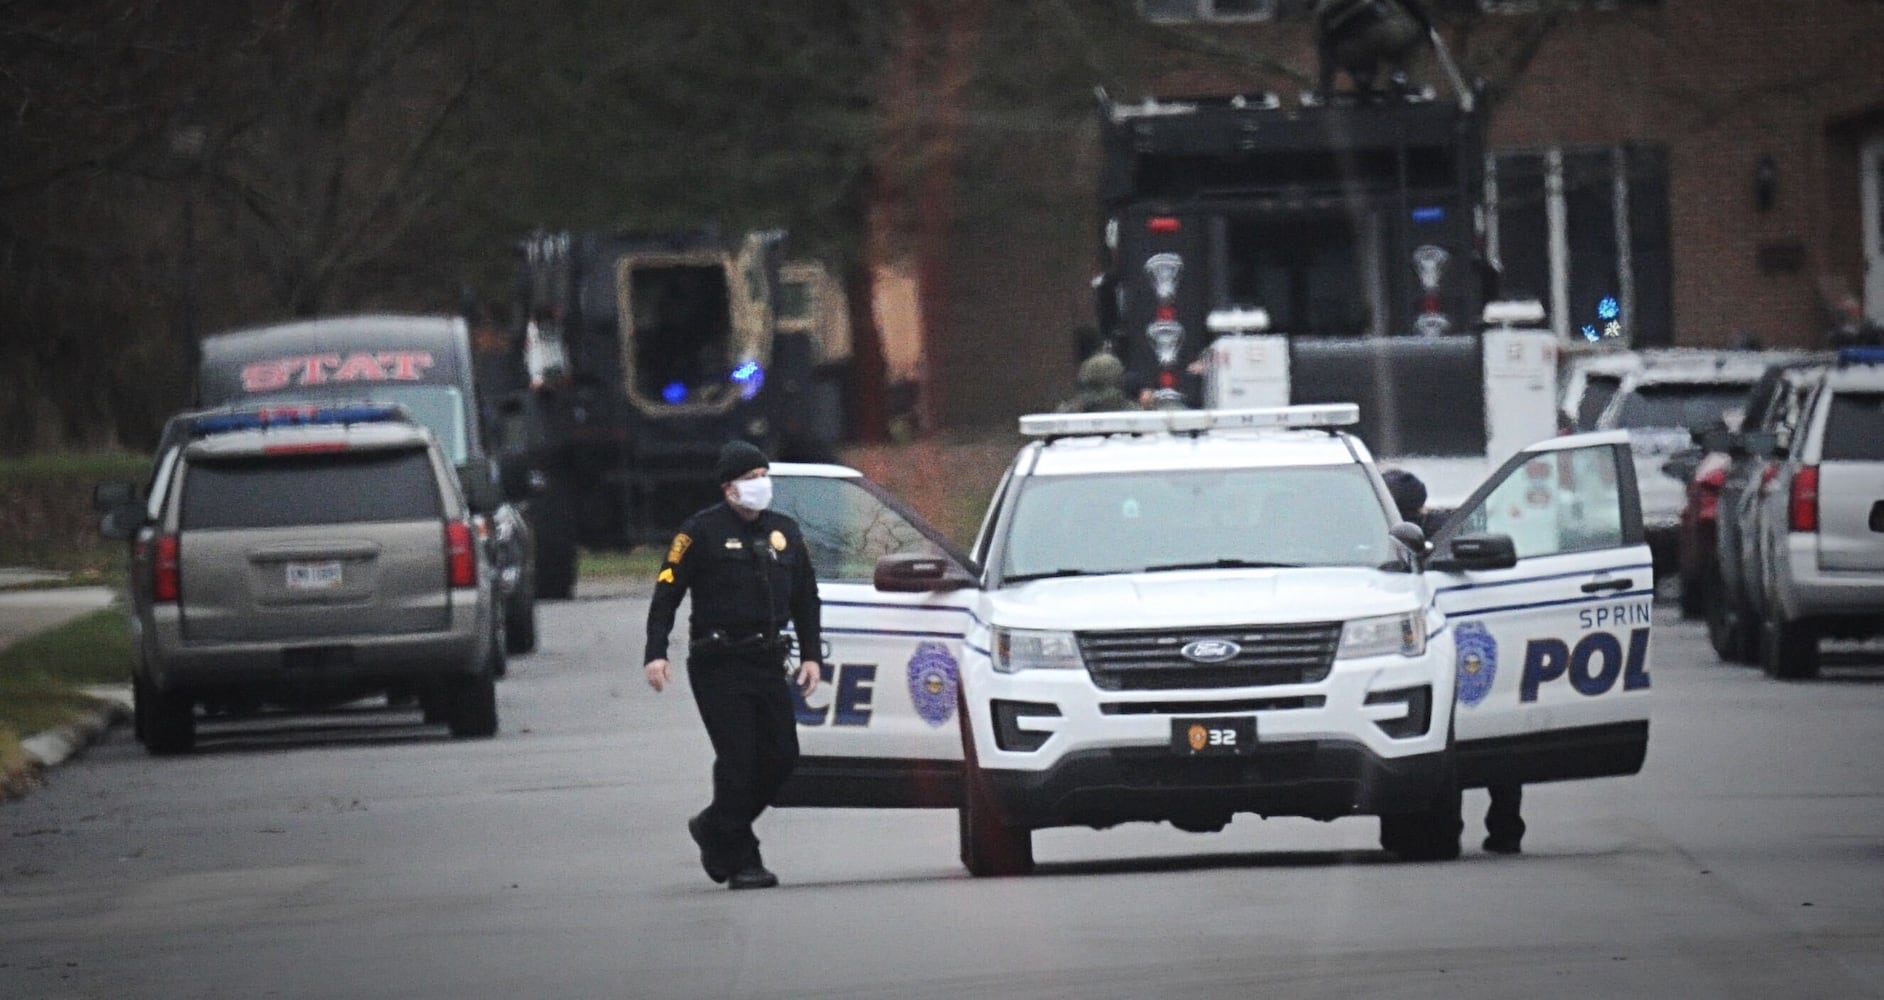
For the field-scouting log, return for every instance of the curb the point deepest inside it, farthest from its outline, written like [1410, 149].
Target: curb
[59, 744]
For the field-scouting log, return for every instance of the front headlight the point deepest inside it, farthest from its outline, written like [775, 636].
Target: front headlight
[1404, 634]
[1026, 649]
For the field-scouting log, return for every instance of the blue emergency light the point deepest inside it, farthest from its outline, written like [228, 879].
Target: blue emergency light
[297, 415]
[1429, 213]
[749, 377]
[1860, 356]
[674, 392]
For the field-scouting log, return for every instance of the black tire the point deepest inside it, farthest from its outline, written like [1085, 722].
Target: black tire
[1789, 650]
[472, 709]
[553, 519]
[435, 704]
[140, 704]
[520, 622]
[990, 847]
[1728, 627]
[1429, 834]
[1693, 593]
[169, 721]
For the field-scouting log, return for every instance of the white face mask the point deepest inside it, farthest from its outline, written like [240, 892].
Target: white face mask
[753, 494]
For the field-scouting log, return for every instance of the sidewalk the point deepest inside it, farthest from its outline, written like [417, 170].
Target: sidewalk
[25, 613]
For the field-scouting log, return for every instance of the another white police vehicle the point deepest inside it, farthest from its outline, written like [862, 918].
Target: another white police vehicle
[1184, 615]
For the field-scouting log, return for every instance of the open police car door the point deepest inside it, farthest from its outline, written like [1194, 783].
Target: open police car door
[1547, 583]
[880, 729]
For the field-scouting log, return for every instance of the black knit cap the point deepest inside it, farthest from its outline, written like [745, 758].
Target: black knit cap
[736, 459]
[1409, 494]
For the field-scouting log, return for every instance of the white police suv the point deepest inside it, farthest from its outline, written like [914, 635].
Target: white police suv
[1184, 615]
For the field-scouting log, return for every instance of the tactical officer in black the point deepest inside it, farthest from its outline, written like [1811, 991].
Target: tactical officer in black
[1504, 817]
[750, 574]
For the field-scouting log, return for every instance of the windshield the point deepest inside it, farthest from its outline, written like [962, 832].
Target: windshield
[1679, 405]
[1132, 522]
[439, 407]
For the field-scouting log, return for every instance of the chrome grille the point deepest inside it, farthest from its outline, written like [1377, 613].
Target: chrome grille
[1269, 654]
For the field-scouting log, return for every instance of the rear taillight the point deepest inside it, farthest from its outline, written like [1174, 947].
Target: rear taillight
[165, 579]
[461, 560]
[1707, 487]
[1805, 499]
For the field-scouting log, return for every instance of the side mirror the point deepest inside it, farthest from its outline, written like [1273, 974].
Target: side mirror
[121, 522]
[1718, 439]
[1410, 535]
[516, 479]
[480, 494]
[1479, 552]
[1681, 467]
[1698, 431]
[1763, 444]
[919, 574]
[107, 496]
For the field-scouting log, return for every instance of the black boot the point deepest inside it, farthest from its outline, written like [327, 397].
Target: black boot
[696, 828]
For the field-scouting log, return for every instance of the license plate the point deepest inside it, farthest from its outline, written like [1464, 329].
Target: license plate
[1227, 736]
[314, 575]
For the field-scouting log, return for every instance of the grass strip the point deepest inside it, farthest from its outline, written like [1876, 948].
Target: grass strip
[638, 564]
[42, 676]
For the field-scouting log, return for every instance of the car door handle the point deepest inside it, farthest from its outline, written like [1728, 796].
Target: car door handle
[1598, 586]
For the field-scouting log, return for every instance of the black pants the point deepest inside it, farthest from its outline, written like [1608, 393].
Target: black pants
[1502, 820]
[746, 703]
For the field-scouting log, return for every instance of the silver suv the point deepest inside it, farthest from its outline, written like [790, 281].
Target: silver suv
[1819, 520]
[1660, 405]
[305, 556]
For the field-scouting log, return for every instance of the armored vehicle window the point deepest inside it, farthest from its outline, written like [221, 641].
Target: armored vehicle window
[1854, 429]
[682, 330]
[277, 492]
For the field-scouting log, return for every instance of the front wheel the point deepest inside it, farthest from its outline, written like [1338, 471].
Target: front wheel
[520, 621]
[1789, 650]
[169, 720]
[1693, 592]
[1727, 627]
[553, 520]
[990, 847]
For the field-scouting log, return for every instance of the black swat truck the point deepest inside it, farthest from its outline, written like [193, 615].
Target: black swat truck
[1346, 224]
[640, 355]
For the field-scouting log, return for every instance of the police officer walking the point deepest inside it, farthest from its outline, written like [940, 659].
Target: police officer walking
[750, 574]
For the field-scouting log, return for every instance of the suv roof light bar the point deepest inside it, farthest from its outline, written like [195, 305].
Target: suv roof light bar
[1056, 425]
[297, 415]
[1860, 356]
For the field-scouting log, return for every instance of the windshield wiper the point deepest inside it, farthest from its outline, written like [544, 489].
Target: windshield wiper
[1221, 564]
[1024, 577]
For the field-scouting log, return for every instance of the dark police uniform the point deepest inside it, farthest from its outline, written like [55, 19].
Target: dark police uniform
[748, 580]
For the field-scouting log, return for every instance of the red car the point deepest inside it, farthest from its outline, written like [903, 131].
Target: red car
[1699, 515]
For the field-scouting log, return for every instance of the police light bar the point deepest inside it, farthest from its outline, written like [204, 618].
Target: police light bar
[1237, 321]
[1860, 356]
[1513, 312]
[1052, 425]
[297, 415]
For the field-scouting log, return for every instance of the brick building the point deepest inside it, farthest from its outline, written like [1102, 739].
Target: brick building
[1716, 167]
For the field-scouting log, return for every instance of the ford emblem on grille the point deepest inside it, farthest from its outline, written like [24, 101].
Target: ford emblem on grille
[1210, 650]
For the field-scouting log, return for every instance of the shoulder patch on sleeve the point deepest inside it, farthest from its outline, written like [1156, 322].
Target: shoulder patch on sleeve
[667, 576]
[679, 548]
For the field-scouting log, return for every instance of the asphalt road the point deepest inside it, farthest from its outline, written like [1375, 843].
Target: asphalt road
[364, 855]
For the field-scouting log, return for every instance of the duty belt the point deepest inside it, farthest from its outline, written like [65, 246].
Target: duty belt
[722, 641]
